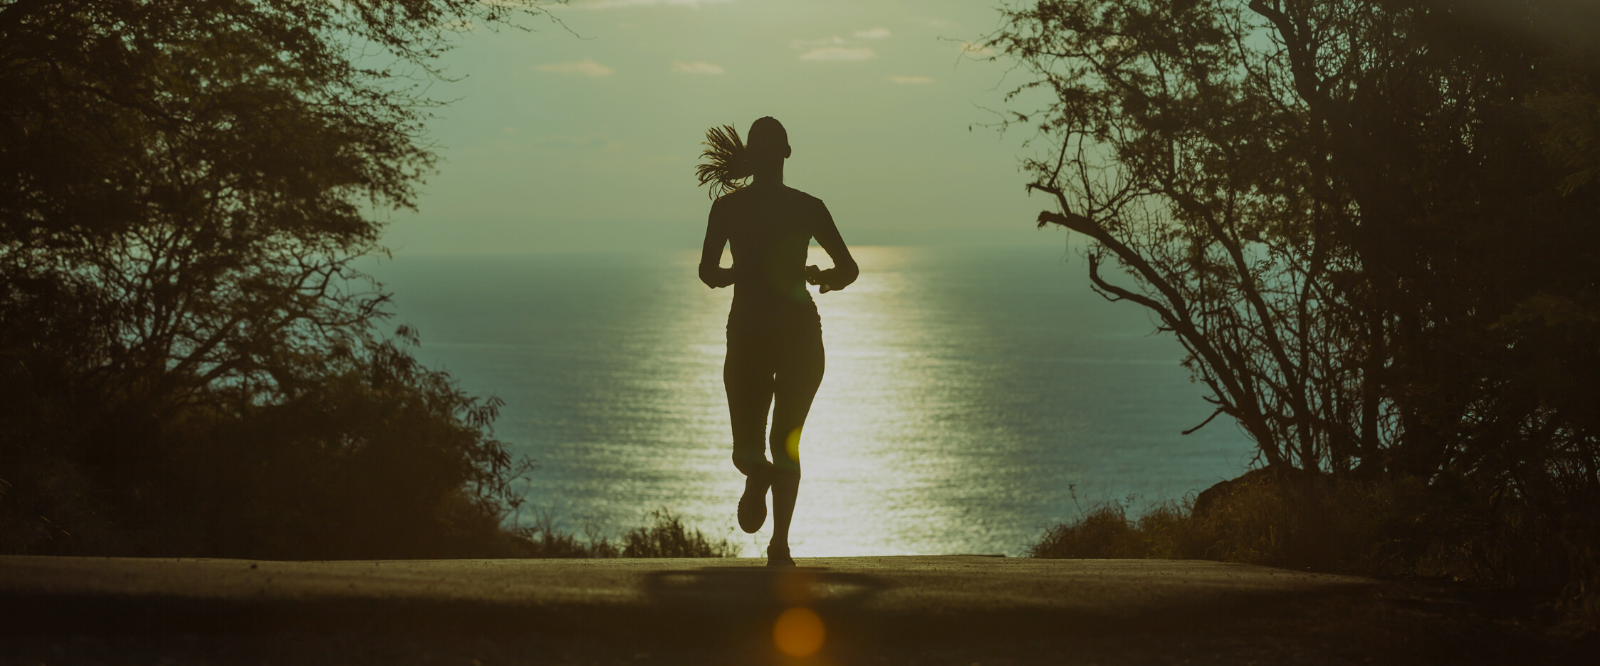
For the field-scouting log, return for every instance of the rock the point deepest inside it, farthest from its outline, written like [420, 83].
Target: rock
[1207, 500]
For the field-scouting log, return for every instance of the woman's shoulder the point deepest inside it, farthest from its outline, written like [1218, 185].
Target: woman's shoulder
[803, 198]
[731, 198]
[782, 195]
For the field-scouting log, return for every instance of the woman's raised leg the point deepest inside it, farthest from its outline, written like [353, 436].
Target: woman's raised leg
[747, 376]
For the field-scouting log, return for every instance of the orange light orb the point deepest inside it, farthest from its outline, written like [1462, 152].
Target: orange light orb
[798, 632]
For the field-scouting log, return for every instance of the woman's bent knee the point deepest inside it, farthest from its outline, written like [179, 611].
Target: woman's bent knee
[748, 464]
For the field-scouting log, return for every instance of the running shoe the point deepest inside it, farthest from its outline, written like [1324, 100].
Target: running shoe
[778, 556]
[753, 504]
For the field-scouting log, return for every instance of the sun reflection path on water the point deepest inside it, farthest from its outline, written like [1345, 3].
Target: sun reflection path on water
[889, 452]
[967, 393]
[867, 471]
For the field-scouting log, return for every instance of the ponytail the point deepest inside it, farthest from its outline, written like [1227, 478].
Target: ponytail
[727, 162]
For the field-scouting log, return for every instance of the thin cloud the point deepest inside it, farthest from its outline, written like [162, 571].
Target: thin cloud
[586, 67]
[839, 54]
[873, 33]
[696, 67]
[624, 4]
[801, 44]
[915, 80]
[929, 21]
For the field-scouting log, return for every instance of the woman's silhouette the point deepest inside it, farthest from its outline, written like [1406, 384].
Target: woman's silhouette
[775, 356]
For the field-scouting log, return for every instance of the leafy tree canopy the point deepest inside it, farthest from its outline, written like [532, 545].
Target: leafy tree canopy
[184, 186]
[1371, 223]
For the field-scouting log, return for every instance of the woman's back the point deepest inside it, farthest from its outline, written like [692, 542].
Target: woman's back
[768, 228]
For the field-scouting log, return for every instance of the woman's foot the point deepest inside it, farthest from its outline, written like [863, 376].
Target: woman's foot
[778, 556]
[753, 504]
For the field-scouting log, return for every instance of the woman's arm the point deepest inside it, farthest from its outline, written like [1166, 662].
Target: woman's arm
[844, 269]
[711, 271]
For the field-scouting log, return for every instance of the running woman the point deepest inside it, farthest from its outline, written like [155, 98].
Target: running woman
[775, 357]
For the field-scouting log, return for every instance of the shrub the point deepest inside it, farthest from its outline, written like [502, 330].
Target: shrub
[366, 454]
[1387, 526]
[1103, 533]
[669, 538]
[665, 536]
[545, 539]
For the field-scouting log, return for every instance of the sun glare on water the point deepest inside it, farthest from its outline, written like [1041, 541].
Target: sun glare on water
[967, 393]
[868, 470]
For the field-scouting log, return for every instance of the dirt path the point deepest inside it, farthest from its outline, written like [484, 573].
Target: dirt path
[921, 610]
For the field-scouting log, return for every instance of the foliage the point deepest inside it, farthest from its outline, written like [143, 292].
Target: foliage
[664, 536]
[1395, 527]
[668, 537]
[1369, 223]
[545, 539]
[188, 359]
[1105, 532]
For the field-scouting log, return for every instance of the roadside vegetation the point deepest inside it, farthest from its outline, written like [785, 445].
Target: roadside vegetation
[1397, 528]
[190, 364]
[1371, 224]
[664, 535]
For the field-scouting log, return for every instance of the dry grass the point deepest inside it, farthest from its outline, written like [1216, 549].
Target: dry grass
[667, 537]
[1105, 532]
[1386, 527]
[664, 536]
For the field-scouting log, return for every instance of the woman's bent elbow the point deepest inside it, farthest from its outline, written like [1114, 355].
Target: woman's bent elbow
[715, 276]
[847, 275]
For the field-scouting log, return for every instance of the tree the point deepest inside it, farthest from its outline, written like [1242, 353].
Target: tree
[1369, 222]
[1183, 153]
[184, 187]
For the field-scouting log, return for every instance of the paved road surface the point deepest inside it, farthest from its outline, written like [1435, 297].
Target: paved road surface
[935, 610]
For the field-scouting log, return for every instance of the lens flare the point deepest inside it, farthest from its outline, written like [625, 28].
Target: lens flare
[798, 632]
[796, 587]
[792, 444]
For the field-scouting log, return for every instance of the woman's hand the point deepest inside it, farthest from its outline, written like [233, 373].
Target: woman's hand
[716, 276]
[822, 278]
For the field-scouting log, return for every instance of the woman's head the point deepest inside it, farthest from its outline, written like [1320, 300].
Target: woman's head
[767, 143]
[728, 163]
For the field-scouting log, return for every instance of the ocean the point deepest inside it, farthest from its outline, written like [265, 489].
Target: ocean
[973, 395]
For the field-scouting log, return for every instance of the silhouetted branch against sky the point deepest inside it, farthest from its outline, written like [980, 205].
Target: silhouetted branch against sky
[1305, 193]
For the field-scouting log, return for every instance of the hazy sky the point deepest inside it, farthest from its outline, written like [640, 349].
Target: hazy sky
[579, 141]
